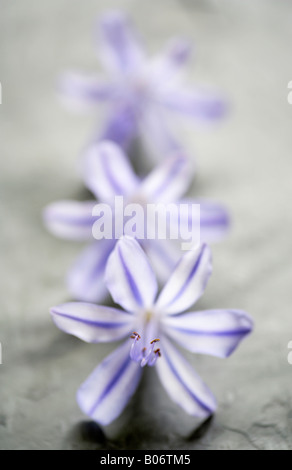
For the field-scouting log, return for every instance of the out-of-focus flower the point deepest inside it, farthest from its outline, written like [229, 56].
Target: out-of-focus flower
[108, 173]
[151, 322]
[142, 94]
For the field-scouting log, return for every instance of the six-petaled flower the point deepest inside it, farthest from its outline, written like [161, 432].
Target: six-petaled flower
[150, 322]
[108, 173]
[142, 94]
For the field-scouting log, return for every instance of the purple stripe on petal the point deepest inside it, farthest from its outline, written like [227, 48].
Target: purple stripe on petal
[188, 281]
[175, 372]
[108, 172]
[71, 220]
[114, 380]
[121, 50]
[130, 279]
[241, 332]
[214, 223]
[129, 276]
[112, 177]
[92, 323]
[108, 389]
[189, 278]
[114, 28]
[215, 332]
[214, 220]
[182, 383]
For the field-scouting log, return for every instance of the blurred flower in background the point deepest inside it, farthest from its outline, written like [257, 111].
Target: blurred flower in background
[141, 93]
[108, 173]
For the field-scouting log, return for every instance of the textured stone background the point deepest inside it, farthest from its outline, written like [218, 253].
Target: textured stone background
[244, 48]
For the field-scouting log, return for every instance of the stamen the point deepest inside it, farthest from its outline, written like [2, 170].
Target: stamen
[146, 356]
[154, 358]
[135, 353]
[135, 335]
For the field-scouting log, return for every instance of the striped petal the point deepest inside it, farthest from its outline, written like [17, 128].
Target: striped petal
[106, 392]
[198, 105]
[80, 91]
[187, 283]
[107, 171]
[214, 220]
[170, 180]
[214, 332]
[182, 383]
[129, 276]
[86, 278]
[92, 323]
[121, 50]
[71, 220]
[166, 67]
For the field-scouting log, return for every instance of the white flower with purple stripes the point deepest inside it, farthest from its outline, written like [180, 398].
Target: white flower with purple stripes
[151, 321]
[141, 93]
[108, 173]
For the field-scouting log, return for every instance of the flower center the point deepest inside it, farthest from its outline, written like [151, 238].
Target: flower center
[140, 86]
[144, 355]
[148, 316]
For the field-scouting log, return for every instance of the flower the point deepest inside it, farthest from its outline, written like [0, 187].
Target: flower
[150, 323]
[108, 173]
[141, 93]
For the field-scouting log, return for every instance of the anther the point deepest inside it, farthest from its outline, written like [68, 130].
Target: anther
[135, 335]
[155, 356]
[135, 352]
[144, 355]
[154, 340]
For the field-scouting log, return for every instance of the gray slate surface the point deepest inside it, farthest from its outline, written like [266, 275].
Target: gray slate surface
[244, 48]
